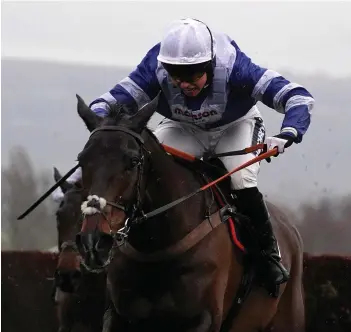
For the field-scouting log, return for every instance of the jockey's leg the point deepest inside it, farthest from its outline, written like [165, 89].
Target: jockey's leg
[182, 136]
[241, 134]
[252, 204]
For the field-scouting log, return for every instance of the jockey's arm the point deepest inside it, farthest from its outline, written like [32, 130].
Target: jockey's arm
[276, 92]
[134, 91]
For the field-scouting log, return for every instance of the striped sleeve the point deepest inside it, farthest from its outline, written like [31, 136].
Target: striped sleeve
[275, 91]
[135, 90]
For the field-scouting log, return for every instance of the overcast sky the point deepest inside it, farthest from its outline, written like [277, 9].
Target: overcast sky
[307, 37]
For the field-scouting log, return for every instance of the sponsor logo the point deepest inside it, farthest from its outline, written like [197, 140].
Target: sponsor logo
[199, 116]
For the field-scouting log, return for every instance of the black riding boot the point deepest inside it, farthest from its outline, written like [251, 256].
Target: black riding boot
[251, 204]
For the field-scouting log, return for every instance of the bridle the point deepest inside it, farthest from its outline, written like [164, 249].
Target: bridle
[134, 211]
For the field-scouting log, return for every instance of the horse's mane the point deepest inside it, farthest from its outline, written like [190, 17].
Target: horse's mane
[119, 112]
[153, 136]
[116, 113]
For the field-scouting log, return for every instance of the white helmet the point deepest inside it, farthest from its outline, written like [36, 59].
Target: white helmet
[187, 42]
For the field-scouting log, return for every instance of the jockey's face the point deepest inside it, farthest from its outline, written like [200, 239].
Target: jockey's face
[191, 87]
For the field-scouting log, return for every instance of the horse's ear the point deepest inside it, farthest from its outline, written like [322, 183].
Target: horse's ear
[57, 174]
[65, 186]
[141, 118]
[91, 120]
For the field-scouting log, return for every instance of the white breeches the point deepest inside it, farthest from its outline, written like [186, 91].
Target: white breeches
[244, 132]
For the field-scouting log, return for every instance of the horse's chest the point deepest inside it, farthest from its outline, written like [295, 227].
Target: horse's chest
[178, 294]
[139, 305]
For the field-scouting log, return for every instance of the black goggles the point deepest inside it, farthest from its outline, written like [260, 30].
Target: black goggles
[187, 73]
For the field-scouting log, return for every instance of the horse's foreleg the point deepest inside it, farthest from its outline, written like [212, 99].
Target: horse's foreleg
[64, 305]
[256, 313]
[201, 323]
[112, 322]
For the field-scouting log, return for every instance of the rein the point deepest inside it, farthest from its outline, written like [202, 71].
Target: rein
[142, 217]
[178, 153]
[171, 151]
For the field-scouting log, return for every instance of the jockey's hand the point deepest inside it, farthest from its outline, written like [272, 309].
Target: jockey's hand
[281, 141]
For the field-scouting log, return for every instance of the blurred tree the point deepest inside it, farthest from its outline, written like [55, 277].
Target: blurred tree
[21, 186]
[326, 226]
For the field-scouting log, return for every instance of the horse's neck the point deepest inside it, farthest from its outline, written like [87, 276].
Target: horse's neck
[167, 181]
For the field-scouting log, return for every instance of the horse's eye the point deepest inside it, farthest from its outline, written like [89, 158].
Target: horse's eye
[134, 162]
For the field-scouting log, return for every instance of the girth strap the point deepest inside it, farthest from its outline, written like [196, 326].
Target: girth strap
[182, 246]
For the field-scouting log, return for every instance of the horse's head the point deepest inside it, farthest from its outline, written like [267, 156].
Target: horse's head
[113, 161]
[68, 220]
[68, 214]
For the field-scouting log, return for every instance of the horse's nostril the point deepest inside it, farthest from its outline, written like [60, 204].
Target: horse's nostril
[94, 249]
[79, 241]
[83, 244]
[105, 242]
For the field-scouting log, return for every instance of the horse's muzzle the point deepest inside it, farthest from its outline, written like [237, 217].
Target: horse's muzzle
[95, 249]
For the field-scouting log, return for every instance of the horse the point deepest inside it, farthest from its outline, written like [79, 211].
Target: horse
[175, 259]
[78, 294]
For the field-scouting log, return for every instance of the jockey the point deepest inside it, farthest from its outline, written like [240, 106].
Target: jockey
[209, 91]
